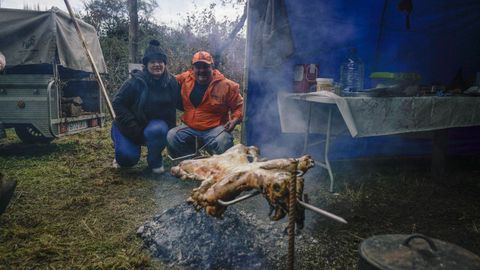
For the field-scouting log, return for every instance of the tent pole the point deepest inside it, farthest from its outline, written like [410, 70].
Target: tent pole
[380, 36]
[243, 134]
[90, 59]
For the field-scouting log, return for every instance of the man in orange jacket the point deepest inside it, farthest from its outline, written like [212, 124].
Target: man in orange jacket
[212, 108]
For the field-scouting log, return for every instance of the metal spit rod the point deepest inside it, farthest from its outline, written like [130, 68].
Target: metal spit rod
[182, 157]
[291, 215]
[197, 151]
[216, 136]
[239, 199]
[321, 212]
[302, 203]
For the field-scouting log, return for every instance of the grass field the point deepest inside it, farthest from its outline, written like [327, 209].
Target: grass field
[71, 210]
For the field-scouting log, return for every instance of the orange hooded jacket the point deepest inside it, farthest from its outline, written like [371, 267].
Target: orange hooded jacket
[221, 98]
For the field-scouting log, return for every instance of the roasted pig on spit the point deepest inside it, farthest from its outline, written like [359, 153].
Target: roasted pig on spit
[216, 166]
[239, 169]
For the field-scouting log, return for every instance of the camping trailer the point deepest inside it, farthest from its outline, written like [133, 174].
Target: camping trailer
[48, 89]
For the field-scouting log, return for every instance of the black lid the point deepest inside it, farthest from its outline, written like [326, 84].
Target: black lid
[401, 251]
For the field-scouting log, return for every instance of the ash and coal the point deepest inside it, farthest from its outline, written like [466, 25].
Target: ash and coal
[183, 237]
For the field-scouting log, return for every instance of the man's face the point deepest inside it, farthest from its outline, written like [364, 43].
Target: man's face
[203, 72]
[156, 68]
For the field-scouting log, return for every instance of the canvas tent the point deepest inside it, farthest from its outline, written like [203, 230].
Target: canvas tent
[440, 43]
[46, 37]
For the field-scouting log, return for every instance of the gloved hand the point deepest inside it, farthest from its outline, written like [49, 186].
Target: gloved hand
[230, 125]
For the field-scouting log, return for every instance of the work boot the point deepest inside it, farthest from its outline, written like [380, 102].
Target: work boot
[158, 170]
[6, 191]
[115, 165]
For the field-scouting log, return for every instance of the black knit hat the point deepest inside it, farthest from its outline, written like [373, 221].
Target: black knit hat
[153, 51]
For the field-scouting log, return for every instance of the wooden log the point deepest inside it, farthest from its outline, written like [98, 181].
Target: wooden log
[75, 100]
[71, 110]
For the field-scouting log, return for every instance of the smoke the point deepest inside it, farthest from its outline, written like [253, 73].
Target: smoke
[322, 33]
[263, 116]
[312, 25]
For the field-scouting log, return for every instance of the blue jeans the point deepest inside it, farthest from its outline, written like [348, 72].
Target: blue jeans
[181, 140]
[127, 153]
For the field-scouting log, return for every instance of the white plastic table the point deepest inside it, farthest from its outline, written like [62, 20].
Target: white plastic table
[327, 113]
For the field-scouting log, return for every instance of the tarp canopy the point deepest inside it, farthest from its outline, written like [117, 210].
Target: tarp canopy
[44, 37]
[438, 40]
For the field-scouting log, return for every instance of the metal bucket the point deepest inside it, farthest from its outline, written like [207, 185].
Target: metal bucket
[400, 251]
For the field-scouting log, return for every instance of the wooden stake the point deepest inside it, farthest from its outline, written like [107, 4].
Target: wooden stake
[90, 59]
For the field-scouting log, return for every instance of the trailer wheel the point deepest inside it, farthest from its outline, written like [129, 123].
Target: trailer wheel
[29, 134]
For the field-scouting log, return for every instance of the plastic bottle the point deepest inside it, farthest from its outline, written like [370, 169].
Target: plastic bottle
[352, 73]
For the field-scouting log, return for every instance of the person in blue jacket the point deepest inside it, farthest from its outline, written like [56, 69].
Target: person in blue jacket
[145, 108]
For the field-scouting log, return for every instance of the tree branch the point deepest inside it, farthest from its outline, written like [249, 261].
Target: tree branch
[231, 37]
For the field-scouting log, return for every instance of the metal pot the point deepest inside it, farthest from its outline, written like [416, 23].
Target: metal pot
[401, 251]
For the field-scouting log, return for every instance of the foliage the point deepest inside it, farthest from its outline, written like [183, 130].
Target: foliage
[199, 31]
[110, 17]
[203, 31]
[70, 211]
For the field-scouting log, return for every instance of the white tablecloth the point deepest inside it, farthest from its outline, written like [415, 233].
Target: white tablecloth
[375, 116]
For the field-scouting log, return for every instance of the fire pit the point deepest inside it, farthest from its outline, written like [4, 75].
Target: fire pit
[185, 237]
[226, 243]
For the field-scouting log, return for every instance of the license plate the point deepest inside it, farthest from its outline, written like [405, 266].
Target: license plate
[77, 125]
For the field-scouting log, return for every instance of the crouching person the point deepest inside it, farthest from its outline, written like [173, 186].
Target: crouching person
[145, 111]
[212, 108]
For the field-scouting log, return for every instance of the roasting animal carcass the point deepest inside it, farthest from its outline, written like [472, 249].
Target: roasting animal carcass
[216, 166]
[225, 176]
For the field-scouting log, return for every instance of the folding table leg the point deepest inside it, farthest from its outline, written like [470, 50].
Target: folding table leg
[326, 162]
[305, 142]
[327, 147]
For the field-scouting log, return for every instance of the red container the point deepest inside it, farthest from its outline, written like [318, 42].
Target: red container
[93, 122]
[305, 76]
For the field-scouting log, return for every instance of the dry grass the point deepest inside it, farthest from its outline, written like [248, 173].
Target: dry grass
[393, 196]
[72, 211]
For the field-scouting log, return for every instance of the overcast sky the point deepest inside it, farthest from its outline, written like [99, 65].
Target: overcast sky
[168, 12]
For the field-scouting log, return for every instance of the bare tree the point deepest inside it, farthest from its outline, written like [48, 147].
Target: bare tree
[133, 31]
[231, 36]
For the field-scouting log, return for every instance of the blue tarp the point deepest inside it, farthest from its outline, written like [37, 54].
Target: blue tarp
[442, 44]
